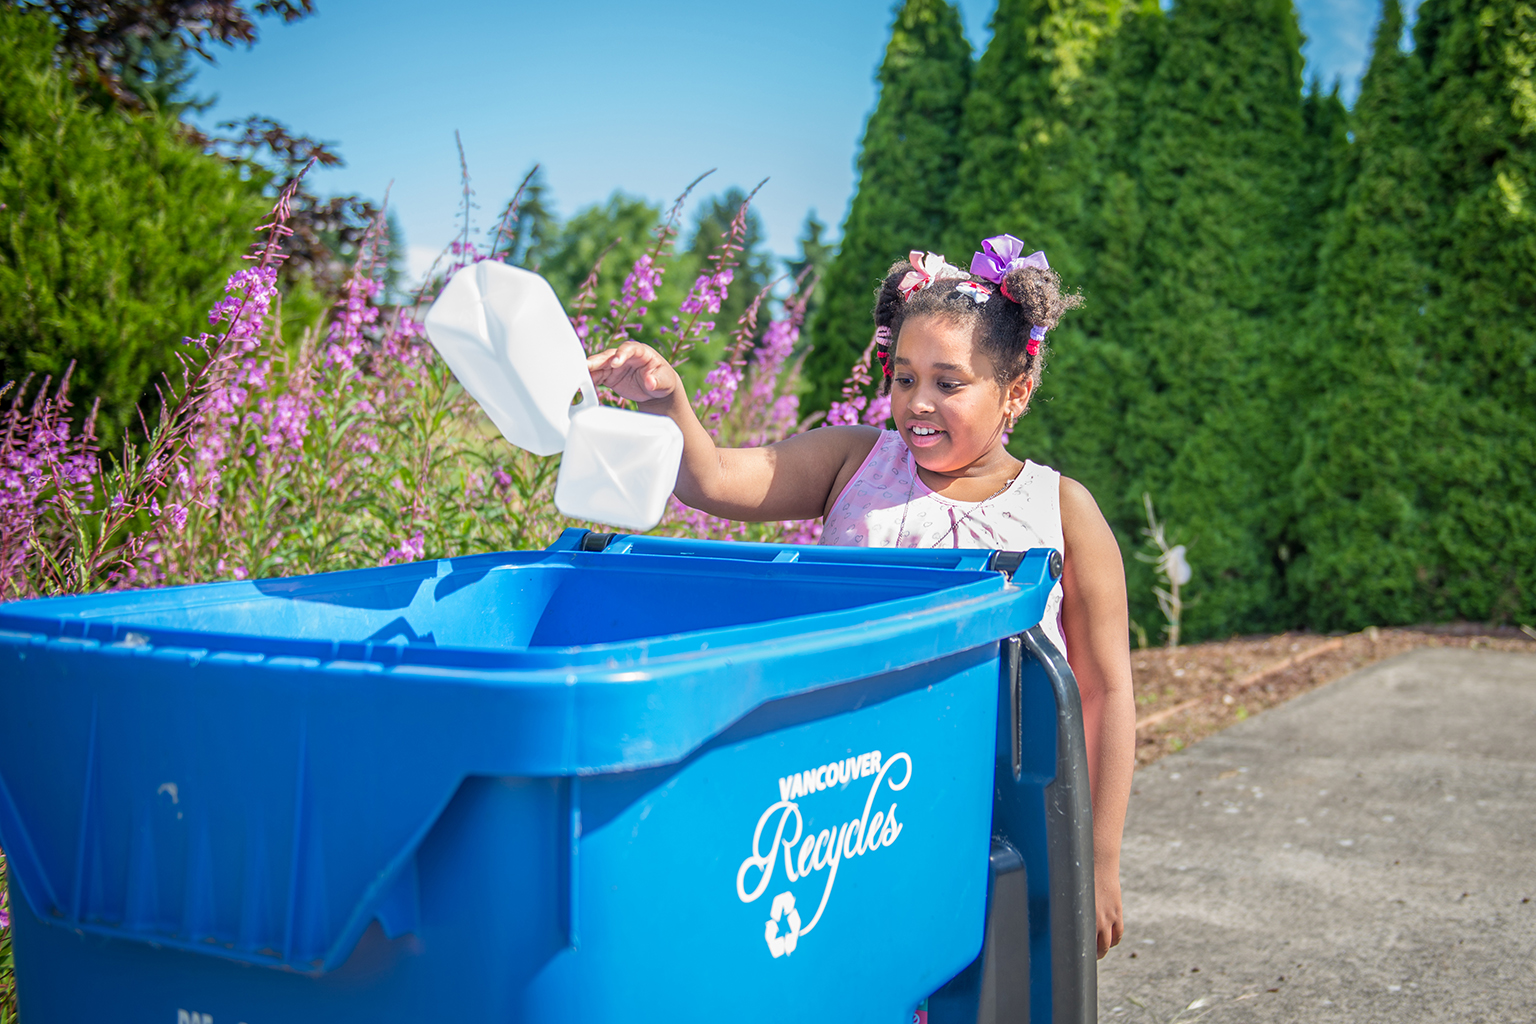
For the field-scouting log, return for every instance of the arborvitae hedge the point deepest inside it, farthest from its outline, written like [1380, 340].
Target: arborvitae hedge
[1420, 485]
[1369, 473]
[1481, 61]
[1310, 334]
[1206, 227]
[1229, 235]
[115, 235]
[1095, 367]
[907, 165]
[1027, 154]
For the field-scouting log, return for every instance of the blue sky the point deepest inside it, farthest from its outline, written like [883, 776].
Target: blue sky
[606, 95]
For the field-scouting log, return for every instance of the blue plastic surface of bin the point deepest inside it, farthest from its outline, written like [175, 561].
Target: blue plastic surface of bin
[563, 785]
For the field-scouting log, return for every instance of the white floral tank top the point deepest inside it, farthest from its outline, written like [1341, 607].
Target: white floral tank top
[886, 504]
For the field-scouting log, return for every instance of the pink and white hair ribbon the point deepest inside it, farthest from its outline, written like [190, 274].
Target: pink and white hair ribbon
[927, 268]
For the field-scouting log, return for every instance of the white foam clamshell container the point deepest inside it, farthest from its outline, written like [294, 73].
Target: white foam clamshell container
[505, 336]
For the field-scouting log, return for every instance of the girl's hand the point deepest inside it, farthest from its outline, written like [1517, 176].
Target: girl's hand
[1106, 901]
[634, 371]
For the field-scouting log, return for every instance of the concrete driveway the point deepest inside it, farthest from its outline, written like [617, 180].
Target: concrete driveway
[1366, 852]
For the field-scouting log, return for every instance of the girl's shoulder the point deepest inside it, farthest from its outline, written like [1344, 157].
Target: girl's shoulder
[862, 449]
[1038, 481]
[1078, 507]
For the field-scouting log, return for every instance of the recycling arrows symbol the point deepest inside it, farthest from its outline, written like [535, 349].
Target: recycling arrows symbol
[782, 945]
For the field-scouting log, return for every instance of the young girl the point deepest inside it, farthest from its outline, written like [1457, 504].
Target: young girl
[962, 357]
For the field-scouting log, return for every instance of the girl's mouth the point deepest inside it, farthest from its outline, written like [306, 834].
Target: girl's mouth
[920, 435]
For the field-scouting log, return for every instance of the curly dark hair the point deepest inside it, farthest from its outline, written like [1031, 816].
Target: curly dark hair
[1028, 296]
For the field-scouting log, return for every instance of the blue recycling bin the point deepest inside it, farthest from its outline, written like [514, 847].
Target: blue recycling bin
[623, 779]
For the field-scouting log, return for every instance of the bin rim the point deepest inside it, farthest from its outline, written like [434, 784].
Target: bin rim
[91, 617]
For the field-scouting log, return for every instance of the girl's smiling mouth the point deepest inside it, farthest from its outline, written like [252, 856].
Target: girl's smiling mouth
[923, 435]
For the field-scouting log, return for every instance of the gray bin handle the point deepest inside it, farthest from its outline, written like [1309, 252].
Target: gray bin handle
[1059, 984]
[1069, 840]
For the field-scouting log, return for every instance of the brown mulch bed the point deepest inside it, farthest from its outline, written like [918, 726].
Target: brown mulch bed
[1184, 694]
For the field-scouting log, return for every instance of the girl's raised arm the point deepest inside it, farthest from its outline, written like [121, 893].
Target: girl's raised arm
[797, 478]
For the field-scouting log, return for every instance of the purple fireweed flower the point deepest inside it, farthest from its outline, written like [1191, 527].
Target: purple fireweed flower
[708, 292]
[722, 383]
[402, 344]
[44, 469]
[287, 422]
[643, 280]
[412, 549]
[783, 415]
[356, 314]
[847, 412]
[626, 312]
[247, 301]
[802, 531]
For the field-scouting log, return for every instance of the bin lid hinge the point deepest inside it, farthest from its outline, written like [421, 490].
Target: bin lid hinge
[595, 541]
[1008, 562]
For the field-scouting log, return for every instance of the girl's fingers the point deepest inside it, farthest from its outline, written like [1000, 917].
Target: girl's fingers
[629, 348]
[633, 366]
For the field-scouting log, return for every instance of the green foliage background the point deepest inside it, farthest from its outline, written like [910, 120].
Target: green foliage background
[116, 233]
[1310, 333]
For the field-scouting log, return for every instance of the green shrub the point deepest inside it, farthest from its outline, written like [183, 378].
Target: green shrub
[116, 233]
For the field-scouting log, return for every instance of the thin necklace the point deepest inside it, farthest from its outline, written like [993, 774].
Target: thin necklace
[954, 529]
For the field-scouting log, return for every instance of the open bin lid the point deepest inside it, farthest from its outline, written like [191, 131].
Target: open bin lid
[263, 708]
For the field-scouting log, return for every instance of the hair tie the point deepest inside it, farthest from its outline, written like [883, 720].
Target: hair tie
[883, 348]
[1036, 336]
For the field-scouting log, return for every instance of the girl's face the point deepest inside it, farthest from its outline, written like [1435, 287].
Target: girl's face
[945, 398]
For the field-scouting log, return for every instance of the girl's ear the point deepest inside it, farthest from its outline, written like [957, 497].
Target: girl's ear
[1017, 395]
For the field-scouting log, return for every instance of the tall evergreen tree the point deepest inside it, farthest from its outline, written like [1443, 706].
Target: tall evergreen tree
[1092, 226]
[1369, 477]
[1480, 56]
[1028, 145]
[907, 167]
[1221, 168]
[810, 267]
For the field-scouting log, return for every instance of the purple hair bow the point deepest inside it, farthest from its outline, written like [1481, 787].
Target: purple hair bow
[1000, 254]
